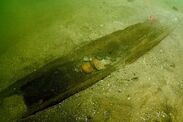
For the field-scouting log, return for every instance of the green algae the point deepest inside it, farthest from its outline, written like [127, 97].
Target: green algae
[12, 108]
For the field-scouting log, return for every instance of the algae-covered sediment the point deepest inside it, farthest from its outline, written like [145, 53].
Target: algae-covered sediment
[35, 32]
[94, 61]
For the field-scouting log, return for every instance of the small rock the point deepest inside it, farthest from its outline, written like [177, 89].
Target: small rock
[87, 67]
[98, 64]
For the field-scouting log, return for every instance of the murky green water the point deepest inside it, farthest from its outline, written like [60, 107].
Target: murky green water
[35, 32]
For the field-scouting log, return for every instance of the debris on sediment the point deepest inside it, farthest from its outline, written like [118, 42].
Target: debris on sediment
[87, 67]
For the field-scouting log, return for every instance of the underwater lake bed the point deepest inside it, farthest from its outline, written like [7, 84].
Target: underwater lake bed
[35, 33]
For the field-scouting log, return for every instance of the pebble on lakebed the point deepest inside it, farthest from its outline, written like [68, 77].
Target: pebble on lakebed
[98, 64]
[87, 67]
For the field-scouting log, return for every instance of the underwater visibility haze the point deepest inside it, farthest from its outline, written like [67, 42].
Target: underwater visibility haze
[95, 60]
